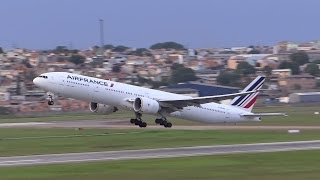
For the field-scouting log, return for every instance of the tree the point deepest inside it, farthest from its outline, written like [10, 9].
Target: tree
[1, 50]
[254, 51]
[284, 65]
[290, 65]
[227, 52]
[312, 69]
[120, 48]
[157, 84]
[244, 68]
[61, 50]
[26, 63]
[300, 57]
[74, 51]
[29, 75]
[228, 79]
[316, 61]
[96, 47]
[176, 66]
[108, 46]
[77, 59]
[116, 68]
[142, 80]
[167, 45]
[295, 68]
[267, 70]
[182, 74]
[141, 52]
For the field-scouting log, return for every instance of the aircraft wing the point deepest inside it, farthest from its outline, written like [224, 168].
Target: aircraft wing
[264, 114]
[180, 103]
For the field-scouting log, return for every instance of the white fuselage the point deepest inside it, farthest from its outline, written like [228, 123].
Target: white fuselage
[117, 94]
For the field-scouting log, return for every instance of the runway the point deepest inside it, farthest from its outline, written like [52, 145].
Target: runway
[125, 124]
[157, 153]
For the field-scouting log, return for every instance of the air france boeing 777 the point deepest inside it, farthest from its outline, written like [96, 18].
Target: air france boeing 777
[107, 96]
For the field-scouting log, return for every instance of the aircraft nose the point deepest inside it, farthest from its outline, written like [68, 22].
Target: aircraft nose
[36, 81]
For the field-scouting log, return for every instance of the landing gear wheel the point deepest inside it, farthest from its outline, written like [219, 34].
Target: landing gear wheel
[50, 102]
[168, 125]
[162, 122]
[143, 124]
[132, 121]
[158, 121]
[137, 122]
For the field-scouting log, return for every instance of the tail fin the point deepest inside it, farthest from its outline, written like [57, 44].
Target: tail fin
[247, 101]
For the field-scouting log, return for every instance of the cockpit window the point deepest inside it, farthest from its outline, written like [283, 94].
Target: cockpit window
[45, 77]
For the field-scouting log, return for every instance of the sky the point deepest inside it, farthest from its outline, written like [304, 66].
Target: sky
[45, 24]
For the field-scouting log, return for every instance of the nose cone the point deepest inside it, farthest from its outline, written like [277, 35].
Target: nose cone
[36, 81]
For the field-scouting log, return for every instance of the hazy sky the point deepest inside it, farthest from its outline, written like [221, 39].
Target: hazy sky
[44, 24]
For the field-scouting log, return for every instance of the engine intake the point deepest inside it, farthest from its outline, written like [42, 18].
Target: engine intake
[102, 108]
[146, 105]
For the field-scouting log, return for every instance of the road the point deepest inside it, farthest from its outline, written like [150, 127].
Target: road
[124, 124]
[157, 153]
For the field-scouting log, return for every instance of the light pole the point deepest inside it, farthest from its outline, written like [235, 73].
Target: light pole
[101, 33]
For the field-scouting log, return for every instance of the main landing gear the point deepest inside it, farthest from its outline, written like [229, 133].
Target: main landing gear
[163, 122]
[138, 121]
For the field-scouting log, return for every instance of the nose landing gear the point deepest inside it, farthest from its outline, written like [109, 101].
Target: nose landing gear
[50, 102]
[50, 97]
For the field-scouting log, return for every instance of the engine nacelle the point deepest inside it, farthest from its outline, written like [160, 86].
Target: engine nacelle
[146, 105]
[102, 108]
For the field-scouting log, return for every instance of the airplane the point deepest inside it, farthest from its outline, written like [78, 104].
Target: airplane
[106, 97]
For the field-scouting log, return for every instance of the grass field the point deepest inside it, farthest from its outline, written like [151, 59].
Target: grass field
[301, 116]
[281, 165]
[295, 165]
[66, 117]
[297, 116]
[44, 141]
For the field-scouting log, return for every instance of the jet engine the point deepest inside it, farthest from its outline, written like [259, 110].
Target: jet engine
[102, 108]
[146, 105]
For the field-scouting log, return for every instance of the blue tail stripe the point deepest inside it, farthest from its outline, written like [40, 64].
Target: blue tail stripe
[250, 89]
[256, 84]
[248, 96]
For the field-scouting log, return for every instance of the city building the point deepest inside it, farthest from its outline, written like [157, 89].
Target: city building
[297, 82]
[252, 59]
[307, 97]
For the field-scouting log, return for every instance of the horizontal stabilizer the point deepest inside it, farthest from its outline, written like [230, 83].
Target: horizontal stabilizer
[264, 114]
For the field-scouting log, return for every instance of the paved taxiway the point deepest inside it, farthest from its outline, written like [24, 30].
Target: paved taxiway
[125, 124]
[157, 153]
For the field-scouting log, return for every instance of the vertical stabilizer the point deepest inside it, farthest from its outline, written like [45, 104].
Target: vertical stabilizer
[247, 101]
